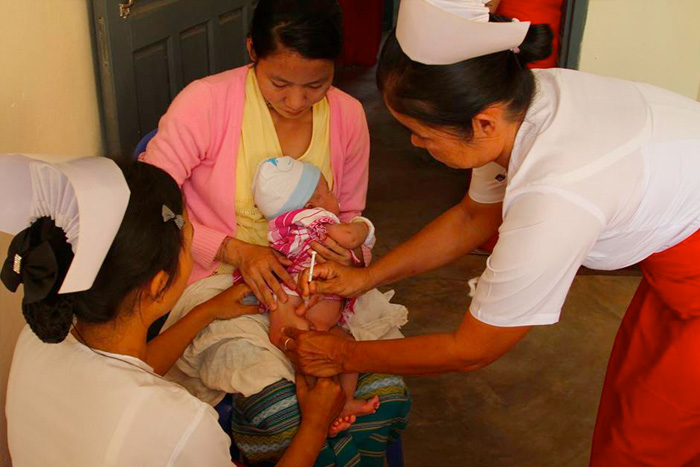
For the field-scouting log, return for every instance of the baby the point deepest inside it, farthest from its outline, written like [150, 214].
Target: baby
[295, 198]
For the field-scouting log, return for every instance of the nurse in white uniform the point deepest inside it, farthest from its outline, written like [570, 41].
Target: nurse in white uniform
[570, 169]
[103, 252]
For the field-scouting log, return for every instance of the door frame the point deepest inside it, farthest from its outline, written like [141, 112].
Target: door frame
[104, 71]
[573, 24]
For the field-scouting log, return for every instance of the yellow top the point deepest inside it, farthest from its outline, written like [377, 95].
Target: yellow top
[259, 142]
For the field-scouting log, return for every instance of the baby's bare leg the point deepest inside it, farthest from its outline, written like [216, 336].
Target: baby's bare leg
[325, 315]
[353, 407]
[285, 317]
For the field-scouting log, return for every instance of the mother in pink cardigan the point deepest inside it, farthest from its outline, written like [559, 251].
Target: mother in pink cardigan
[219, 127]
[211, 140]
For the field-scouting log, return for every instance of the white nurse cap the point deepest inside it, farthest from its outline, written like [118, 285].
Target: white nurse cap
[443, 32]
[86, 198]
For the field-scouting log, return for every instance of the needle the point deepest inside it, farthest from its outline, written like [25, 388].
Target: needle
[311, 273]
[313, 263]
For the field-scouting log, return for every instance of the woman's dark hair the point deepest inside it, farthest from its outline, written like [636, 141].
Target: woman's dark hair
[143, 246]
[312, 28]
[449, 96]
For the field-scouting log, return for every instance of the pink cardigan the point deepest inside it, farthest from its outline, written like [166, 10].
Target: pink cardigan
[197, 144]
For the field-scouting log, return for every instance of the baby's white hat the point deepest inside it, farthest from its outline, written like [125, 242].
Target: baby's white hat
[283, 184]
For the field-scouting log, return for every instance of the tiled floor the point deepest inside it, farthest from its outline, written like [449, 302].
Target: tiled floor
[537, 405]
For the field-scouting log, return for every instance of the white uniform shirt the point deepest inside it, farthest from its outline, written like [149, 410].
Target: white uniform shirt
[68, 406]
[603, 173]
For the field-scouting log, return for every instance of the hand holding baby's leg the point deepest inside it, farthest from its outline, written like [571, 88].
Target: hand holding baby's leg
[353, 407]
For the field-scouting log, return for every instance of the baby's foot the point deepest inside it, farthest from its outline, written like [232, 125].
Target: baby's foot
[353, 408]
[359, 407]
[342, 423]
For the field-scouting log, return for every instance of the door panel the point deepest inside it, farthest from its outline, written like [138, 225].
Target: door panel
[147, 57]
[194, 48]
[233, 29]
[152, 83]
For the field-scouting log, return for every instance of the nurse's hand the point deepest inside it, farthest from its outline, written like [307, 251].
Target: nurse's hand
[320, 403]
[228, 304]
[332, 279]
[316, 353]
[262, 269]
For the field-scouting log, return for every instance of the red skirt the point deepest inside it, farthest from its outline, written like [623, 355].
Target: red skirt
[650, 407]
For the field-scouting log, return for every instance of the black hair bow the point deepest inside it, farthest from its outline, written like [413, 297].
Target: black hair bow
[34, 266]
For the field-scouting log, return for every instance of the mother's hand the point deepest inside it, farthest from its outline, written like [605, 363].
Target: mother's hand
[260, 267]
[319, 354]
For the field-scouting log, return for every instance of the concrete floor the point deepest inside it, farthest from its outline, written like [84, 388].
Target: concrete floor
[537, 405]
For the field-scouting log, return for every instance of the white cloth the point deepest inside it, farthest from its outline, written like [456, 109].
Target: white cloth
[236, 356]
[68, 406]
[604, 173]
[376, 318]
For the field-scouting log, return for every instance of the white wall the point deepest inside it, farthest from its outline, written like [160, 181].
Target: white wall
[656, 41]
[48, 105]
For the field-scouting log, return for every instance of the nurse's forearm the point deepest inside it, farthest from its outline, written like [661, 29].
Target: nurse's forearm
[452, 235]
[164, 350]
[473, 346]
[409, 356]
[305, 447]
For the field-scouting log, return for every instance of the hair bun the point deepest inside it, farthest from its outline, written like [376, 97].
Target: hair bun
[537, 44]
[44, 256]
[50, 319]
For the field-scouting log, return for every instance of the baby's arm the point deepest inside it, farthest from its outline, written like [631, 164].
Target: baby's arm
[357, 236]
[350, 236]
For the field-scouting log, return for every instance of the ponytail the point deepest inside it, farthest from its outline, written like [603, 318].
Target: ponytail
[537, 44]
